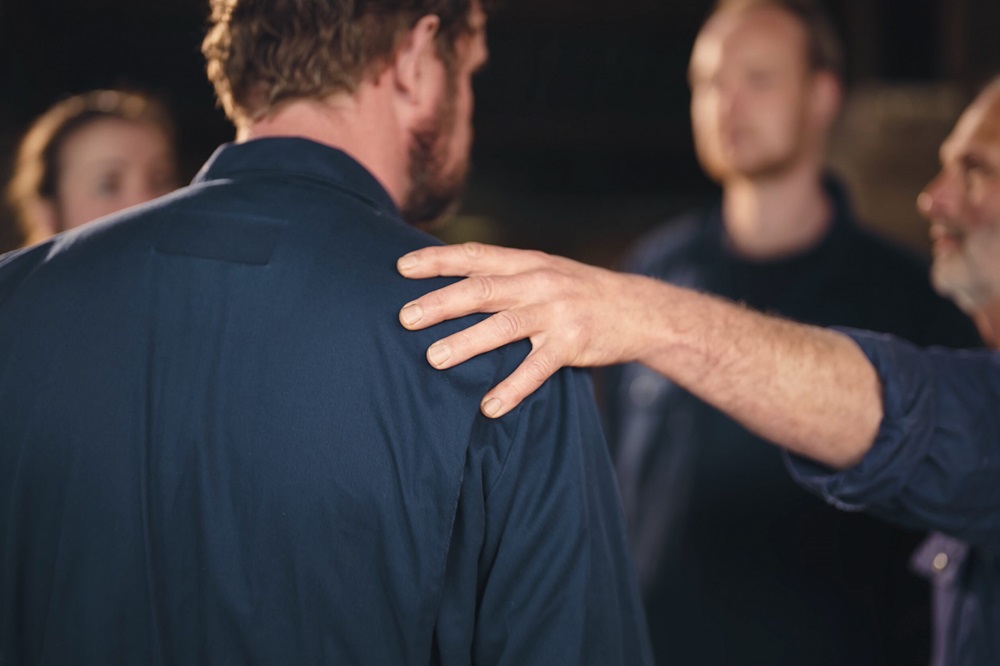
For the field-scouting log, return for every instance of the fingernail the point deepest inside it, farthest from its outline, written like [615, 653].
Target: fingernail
[411, 314]
[407, 262]
[438, 353]
[492, 407]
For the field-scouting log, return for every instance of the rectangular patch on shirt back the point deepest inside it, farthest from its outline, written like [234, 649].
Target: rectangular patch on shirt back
[242, 240]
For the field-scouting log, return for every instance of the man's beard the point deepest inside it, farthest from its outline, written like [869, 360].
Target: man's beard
[966, 271]
[762, 168]
[433, 192]
[765, 162]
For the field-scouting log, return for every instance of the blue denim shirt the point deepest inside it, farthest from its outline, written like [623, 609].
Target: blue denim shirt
[935, 465]
[218, 445]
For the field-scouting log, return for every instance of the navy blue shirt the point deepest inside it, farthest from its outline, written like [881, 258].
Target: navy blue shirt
[935, 465]
[737, 564]
[218, 445]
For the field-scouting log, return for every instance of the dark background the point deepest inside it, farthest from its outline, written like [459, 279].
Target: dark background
[583, 138]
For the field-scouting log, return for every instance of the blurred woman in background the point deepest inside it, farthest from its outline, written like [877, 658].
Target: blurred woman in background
[88, 156]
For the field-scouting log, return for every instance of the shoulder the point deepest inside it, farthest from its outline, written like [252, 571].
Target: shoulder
[16, 266]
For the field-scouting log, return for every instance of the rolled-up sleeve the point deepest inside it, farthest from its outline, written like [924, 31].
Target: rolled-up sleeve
[935, 464]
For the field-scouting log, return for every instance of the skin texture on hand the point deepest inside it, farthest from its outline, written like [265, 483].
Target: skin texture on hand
[807, 389]
[571, 313]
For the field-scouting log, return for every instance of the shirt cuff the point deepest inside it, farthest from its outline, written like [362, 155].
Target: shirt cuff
[903, 440]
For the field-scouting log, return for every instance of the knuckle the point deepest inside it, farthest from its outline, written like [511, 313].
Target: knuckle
[544, 279]
[538, 368]
[572, 335]
[538, 256]
[550, 281]
[483, 288]
[506, 325]
[474, 250]
[510, 391]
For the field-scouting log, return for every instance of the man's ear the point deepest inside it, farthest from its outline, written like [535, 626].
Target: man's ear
[827, 96]
[417, 71]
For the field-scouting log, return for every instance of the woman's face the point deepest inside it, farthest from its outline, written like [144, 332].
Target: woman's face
[111, 164]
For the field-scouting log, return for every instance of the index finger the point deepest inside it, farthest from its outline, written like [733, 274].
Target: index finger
[479, 293]
[468, 259]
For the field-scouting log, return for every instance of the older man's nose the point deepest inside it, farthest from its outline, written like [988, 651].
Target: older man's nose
[937, 198]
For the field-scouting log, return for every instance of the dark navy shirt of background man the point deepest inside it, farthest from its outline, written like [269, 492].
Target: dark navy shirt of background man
[217, 445]
[736, 561]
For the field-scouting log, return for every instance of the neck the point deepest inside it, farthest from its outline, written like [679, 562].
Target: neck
[987, 319]
[359, 125]
[776, 217]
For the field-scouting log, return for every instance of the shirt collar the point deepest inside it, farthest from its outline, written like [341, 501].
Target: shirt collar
[297, 157]
[843, 220]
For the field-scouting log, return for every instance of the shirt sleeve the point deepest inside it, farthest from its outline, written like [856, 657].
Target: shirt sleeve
[935, 463]
[557, 582]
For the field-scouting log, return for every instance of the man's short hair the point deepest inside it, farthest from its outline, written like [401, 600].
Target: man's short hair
[825, 51]
[263, 52]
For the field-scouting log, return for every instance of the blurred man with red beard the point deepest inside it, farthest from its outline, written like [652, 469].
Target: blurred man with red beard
[736, 562]
[217, 445]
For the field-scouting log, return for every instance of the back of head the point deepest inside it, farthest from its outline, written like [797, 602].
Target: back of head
[262, 53]
[251, 457]
[39, 158]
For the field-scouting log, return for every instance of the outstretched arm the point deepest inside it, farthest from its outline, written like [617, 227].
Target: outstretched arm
[810, 390]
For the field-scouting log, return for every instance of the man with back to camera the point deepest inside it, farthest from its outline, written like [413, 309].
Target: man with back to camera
[735, 560]
[872, 422]
[217, 446]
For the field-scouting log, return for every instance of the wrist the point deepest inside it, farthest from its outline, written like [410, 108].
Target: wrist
[670, 323]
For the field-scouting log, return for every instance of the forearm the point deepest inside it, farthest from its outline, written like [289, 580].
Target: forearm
[807, 389]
